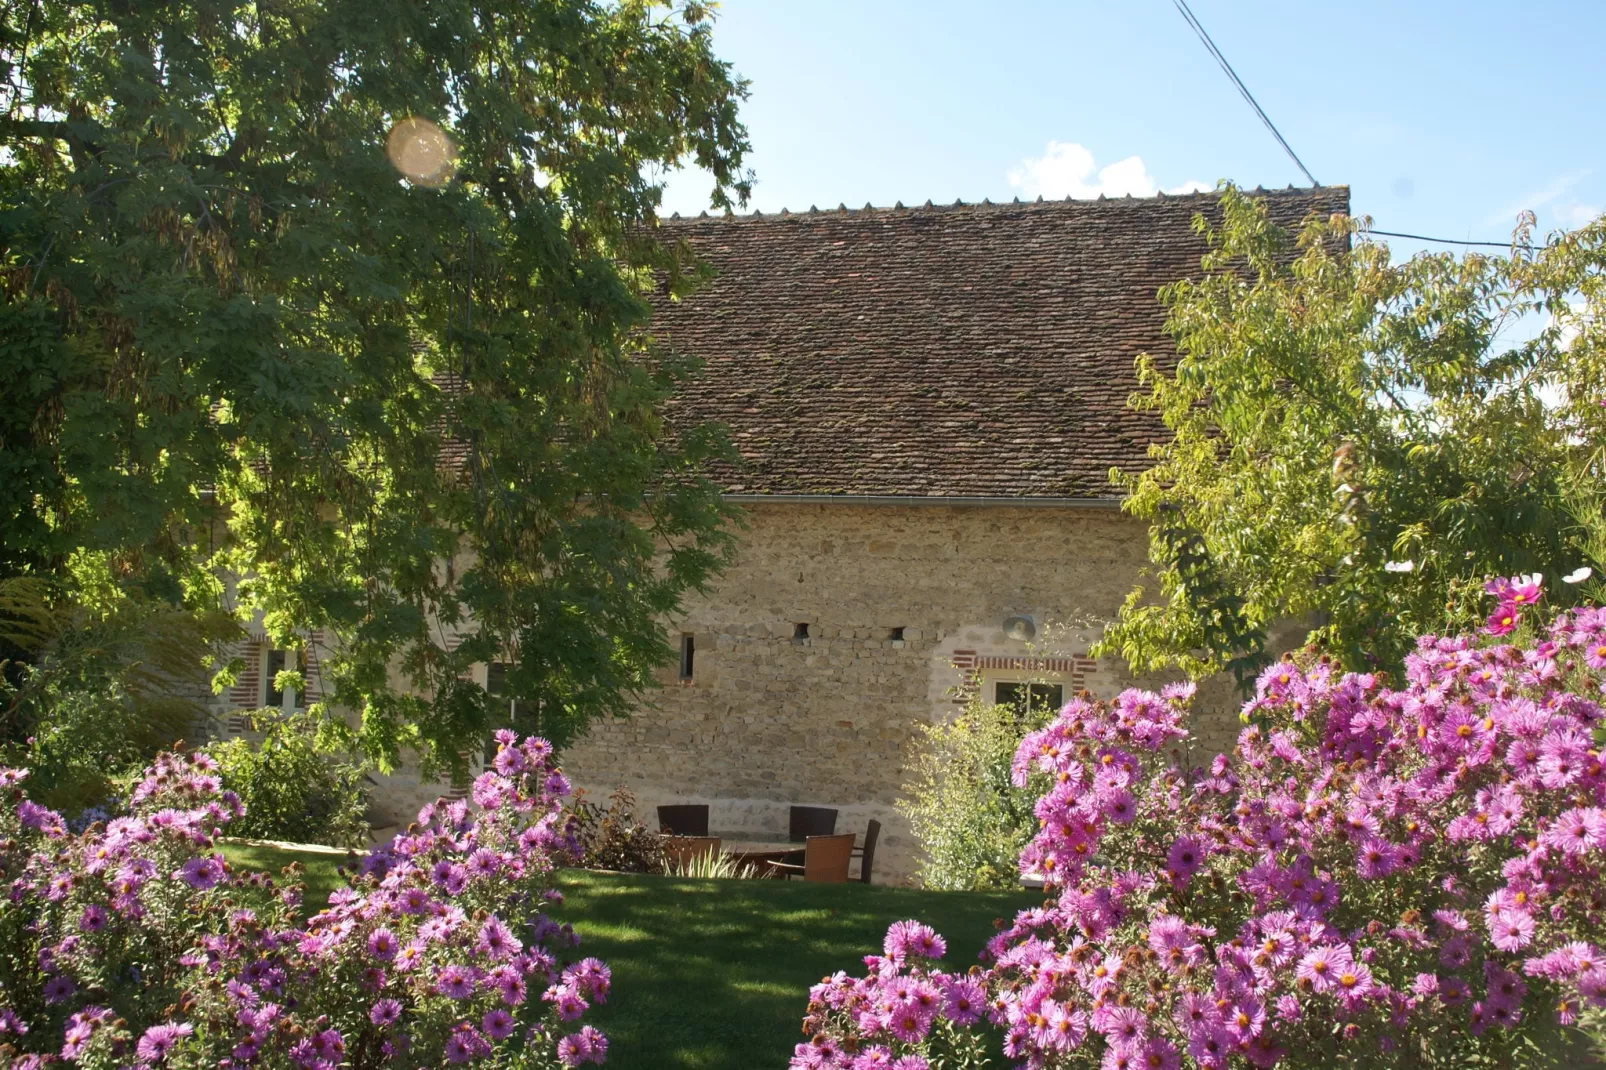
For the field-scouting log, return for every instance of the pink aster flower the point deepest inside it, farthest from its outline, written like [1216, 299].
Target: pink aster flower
[1184, 858]
[1353, 981]
[495, 941]
[384, 1013]
[1321, 966]
[907, 939]
[1592, 986]
[1511, 930]
[329, 1046]
[1595, 653]
[1375, 858]
[1123, 1026]
[410, 956]
[1118, 805]
[497, 1023]
[1576, 831]
[966, 1001]
[459, 1048]
[455, 981]
[382, 944]
[201, 873]
[1158, 1053]
[159, 1040]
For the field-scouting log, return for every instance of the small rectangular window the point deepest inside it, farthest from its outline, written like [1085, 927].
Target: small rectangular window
[800, 630]
[276, 662]
[688, 655]
[896, 635]
[496, 687]
[1034, 698]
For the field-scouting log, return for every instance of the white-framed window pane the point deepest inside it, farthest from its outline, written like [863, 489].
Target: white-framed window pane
[275, 662]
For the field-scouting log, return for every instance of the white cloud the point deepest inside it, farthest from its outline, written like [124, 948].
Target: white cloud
[1067, 169]
[1577, 213]
[1536, 199]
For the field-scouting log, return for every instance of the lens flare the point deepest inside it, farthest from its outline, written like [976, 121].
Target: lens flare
[422, 152]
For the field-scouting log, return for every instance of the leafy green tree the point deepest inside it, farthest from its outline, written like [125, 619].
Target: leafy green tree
[347, 299]
[1356, 444]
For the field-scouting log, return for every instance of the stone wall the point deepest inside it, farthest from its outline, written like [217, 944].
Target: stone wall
[770, 718]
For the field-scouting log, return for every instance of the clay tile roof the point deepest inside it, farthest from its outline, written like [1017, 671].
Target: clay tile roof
[962, 351]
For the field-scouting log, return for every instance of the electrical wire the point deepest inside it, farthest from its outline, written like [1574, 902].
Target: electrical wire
[1199, 29]
[1451, 241]
[1210, 45]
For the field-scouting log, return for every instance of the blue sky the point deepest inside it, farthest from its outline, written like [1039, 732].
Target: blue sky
[1444, 118]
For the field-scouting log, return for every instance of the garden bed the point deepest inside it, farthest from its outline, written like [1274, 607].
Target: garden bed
[714, 974]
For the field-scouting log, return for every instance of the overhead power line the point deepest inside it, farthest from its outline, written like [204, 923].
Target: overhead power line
[1204, 36]
[1199, 29]
[1451, 241]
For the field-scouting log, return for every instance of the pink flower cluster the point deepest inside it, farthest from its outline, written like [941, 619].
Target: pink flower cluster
[1375, 875]
[140, 948]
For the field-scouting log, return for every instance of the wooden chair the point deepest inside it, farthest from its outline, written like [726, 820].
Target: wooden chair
[681, 851]
[825, 858]
[866, 854]
[806, 821]
[685, 820]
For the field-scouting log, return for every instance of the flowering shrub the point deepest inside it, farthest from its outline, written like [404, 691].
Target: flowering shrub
[971, 821]
[133, 945]
[292, 788]
[1380, 876]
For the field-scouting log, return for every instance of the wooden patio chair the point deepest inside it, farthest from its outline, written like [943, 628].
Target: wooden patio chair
[681, 851]
[825, 858]
[683, 820]
[806, 821]
[866, 854]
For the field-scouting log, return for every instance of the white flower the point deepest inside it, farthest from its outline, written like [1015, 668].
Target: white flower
[1534, 579]
[1399, 566]
[1578, 575]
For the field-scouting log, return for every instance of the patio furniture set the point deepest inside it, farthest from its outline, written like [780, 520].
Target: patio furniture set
[825, 854]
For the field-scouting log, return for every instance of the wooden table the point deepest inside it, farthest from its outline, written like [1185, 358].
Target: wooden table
[759, 851]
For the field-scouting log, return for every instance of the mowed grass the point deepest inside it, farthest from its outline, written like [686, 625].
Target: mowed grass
[714, 974]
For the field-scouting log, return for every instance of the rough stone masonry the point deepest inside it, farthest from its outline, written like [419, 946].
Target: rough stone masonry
[767, 719]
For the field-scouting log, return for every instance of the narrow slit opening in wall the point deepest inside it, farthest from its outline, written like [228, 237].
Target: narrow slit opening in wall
[896, 635]
[800, 630]
[688, 656]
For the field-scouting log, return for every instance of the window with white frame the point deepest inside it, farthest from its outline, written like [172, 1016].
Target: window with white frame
[274, 662]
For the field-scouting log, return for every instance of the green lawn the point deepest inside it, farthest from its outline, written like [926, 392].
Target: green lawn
[714, 974]
[318, 874]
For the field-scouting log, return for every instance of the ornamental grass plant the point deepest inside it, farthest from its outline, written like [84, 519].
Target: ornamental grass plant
[1378, 875]
[133, 945]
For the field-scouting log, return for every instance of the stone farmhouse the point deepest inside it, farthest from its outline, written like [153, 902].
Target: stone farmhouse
[927, 402]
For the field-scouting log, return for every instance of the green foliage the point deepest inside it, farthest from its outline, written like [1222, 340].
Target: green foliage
[101, 684]
[235, 340]
[1333, 413]
[293, 790]
[971, 821]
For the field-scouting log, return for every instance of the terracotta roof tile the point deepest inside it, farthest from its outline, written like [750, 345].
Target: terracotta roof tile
[972, 350]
